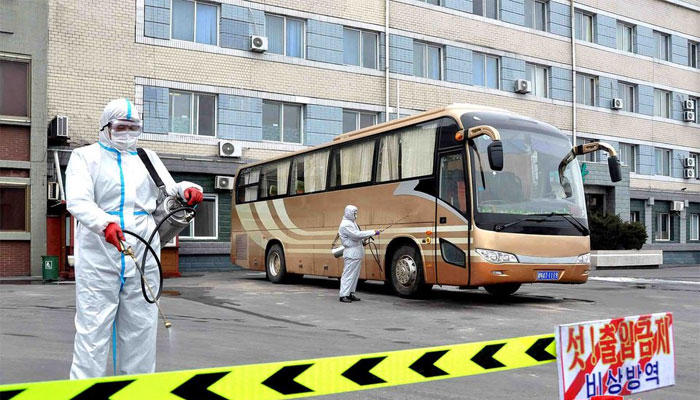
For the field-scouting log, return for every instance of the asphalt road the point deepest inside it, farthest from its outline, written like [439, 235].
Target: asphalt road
[222, 319]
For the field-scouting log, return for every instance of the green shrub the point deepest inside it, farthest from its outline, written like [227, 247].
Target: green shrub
[610, 232]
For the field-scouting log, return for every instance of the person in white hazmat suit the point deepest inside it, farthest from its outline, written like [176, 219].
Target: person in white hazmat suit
[351, 237]
[108, 189]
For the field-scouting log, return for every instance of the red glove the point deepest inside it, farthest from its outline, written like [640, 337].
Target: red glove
[112, 235]
[193, 196]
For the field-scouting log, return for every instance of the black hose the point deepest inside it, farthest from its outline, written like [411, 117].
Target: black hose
[153, 252]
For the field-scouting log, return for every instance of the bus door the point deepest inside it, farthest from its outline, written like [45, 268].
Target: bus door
[451, 225]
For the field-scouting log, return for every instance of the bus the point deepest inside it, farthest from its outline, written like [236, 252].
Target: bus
[464, 195]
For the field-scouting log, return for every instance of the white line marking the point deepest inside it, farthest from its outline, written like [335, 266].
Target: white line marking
[639, 280]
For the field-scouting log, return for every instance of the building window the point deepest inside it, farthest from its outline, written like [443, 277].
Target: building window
[195, 21]
[661, 43]
[486, 8]
[584, 26]
[285, 35]
[625, 37]
[696, 157]
[282, 122]
[206, 225]
[663, 162]
[663, 226]
[626, 91]
[590, 157]
[485, 70]
[14, 88]
[693, 54]
[360, 48]
[427, 61]
[536, 14]
[694, 227]
[354, 120]
[662, 103]
[433, 2]
[14, 210]
[696, 108]
[635, 216]
[585, 89]
[193, 113]
[539, 76]
[628, 156]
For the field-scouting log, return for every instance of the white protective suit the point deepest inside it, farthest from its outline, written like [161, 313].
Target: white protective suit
[351, 237]
[105, 185]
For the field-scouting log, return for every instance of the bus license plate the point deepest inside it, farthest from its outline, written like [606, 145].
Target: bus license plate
[547, 275]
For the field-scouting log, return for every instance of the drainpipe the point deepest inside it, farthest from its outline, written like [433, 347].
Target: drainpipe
[573, 76]
[398, 107]
[386, 58]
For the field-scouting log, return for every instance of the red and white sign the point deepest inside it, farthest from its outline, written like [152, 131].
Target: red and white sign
[618, 357]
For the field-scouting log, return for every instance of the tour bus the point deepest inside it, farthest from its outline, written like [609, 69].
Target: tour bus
[464, 195]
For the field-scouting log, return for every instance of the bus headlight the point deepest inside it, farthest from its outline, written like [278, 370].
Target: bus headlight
[584, 259]
[497, 257]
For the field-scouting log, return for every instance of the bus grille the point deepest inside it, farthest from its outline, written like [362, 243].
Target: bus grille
[242, 247]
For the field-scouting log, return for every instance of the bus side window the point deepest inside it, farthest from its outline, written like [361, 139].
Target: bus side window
[452, 182]
[309, 172]
[352, 164]
[274, 178]
[448, 128]
[248, 185]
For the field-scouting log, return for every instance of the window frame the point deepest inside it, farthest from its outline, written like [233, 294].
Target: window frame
[624, 161]
[667, 39]
[694, 235]
[591, 30]
[632, 30]
[28, 64]
[207, 196]
[667, 96]
[281, 119]
[593, 87]
[693, 54]
[633, 95]
[658, 233]
[194, 22]
[426, 54]
[27, 205]
[546, 78]
[696, 156]
[667, 165]
[545, 16]
[484, 9]
[358, 118]
[362, 46]
[194, 103]
[284, 34]
[635, 216]
[498, 70]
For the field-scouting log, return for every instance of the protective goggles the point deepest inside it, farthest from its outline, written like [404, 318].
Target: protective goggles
[125, 127]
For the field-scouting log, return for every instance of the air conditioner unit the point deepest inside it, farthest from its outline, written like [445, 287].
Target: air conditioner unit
[677, 206]
[224, 182]
[228, 148]
[523, 86]
[689, 173]
[258, 44]
[688, 105]
[616, 104]
[53, 191]
[58, 127]
[688, 116]
[689, 162]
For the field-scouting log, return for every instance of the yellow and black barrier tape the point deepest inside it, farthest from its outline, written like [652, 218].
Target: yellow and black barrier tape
[304, 378]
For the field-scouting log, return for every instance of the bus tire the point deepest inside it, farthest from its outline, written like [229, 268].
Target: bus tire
[503, 289]
[406, 273]
[275, 265]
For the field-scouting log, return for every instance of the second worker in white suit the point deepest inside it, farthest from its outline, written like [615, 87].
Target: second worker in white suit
[351, 237]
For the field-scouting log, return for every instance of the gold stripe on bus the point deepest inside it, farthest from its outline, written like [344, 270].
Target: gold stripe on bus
[245, 215]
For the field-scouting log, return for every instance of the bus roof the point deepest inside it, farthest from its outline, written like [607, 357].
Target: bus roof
[456, 109]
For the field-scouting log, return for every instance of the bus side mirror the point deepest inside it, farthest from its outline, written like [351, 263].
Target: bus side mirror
[615, 170]
[495, 151]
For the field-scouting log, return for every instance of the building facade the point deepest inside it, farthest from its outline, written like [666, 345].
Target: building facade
[608, 71]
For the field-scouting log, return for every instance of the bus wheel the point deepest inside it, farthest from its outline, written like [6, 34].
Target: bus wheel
[502, 290]
[276, 267]
[407, 273]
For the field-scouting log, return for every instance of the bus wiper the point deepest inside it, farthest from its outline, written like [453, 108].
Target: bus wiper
[570, 218]
[500, 227]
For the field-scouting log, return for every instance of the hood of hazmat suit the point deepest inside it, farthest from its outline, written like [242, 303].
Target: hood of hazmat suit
[107, 182]
[350, 234]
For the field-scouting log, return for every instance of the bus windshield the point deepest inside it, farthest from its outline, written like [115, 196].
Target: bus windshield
[529, 183]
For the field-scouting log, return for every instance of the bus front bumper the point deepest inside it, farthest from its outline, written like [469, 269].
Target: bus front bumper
[484, 273]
